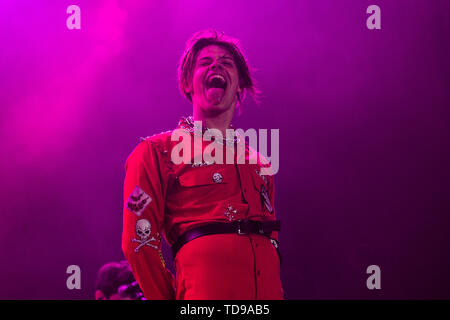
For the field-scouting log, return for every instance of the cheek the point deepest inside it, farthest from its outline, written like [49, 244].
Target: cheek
[235, 81]
[198, 78]
[235, 77]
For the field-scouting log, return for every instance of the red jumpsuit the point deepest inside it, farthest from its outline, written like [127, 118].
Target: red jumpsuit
[162, 198]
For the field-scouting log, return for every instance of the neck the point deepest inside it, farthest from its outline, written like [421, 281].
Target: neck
[220, 121]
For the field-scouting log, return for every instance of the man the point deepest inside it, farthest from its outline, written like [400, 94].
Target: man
[218, 218]
[115, 281]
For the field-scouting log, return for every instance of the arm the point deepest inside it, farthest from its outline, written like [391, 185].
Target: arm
[143, 216]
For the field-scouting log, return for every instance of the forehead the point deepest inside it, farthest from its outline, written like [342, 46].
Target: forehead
[214, 51]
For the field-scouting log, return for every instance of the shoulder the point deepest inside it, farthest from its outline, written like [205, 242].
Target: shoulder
[151, 146]
[262, 162]
[257, 157]
[160, 141]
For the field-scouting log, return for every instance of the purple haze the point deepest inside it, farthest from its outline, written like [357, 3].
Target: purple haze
[364, 135]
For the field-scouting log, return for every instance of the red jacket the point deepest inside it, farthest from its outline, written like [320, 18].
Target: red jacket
[166, 199]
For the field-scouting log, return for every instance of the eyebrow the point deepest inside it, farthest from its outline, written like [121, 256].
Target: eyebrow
[222, 57]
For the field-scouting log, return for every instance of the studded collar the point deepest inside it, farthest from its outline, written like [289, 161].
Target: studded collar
[187, 123]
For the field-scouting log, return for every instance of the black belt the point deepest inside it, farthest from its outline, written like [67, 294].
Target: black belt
[240, 227]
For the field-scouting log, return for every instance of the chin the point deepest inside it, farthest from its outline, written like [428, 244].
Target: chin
[217, 108]
[213, 110]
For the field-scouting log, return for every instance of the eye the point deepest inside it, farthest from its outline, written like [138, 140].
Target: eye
[204, 62]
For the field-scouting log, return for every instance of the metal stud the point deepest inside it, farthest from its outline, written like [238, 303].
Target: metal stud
[230, 212]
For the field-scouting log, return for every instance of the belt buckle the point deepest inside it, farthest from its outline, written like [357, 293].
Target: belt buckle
[261, 229]
[239, 232]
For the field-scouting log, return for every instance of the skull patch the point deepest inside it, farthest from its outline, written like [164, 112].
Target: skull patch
[143, 230]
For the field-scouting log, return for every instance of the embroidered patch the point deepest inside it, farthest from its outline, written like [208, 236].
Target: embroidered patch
[138, 201]
[265, 199]
[274, 243]
[143, 230]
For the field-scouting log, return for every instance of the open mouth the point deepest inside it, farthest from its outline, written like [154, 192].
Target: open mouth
[216, 81]
[215, 88]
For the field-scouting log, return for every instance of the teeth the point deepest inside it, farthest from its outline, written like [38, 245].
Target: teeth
[217, 76]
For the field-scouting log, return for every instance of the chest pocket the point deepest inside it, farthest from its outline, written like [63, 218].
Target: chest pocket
[208, 175]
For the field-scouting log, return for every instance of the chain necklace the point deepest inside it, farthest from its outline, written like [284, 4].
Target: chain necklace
[187, 123]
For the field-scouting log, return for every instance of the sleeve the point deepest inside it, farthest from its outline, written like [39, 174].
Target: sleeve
[143, 216]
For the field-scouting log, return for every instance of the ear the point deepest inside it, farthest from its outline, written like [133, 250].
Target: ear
[99, 295]
[238, 93]
[188, 87]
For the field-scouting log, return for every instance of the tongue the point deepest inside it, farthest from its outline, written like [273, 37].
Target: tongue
[215, 95]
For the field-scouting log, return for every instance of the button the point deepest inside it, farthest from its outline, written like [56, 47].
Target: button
[256, 245]
[217, 177]
[258, 273]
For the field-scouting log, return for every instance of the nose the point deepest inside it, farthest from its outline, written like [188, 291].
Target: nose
[215, 65]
